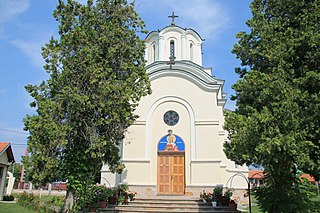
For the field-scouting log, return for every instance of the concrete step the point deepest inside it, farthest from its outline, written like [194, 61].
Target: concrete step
[161, 206]
[159, 203]
[166, 204]
[132, 210]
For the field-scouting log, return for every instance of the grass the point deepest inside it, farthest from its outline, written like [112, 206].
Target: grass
[48, 198]
[255, 209]
[14, 208]
[45, 200]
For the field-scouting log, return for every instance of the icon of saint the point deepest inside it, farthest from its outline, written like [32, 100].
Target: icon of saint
[171, 143]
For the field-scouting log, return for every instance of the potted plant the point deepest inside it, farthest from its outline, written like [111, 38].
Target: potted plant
[90, 200]
[92, 207]
[112, 199]
[103, 195]
[228, 193]
[233, 205]
[217, 191]
[123, 187]
[131, 195]
[204, 196]
[225, 199]
[121, 199]
[214, 201]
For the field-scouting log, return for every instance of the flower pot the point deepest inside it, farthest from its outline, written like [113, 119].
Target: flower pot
[214, 203]
[112, 200]
[204, 200]
[92, 209]
[102, 204]
[225, 201]
[233, 206]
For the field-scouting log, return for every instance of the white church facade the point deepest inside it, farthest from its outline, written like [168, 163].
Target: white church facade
[175, 147]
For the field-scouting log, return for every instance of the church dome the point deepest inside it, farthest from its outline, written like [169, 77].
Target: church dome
[173, 43]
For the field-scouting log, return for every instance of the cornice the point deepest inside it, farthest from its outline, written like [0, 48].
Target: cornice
[187, 70]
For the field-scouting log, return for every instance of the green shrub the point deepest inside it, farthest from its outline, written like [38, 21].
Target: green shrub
[32, 202]
[28, 200]
[8, 198]
[217, 191]
[124, 187]
[56, 201]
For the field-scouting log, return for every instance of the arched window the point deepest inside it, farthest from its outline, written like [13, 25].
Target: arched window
[172, 57]
[154, 52]
[191, 52]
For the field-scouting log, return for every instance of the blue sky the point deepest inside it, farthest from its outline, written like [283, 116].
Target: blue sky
[26, 25]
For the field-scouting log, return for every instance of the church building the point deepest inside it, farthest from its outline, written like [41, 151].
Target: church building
[175, 147]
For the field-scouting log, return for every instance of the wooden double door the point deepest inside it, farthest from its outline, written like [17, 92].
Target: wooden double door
[171, 173]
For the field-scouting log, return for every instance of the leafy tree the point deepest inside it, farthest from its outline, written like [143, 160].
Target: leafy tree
[277, 122]
[15, 169]
[97, 77]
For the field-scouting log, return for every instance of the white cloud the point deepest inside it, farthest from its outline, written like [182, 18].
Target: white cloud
[11, 8]
[207, 17]
[31, 49]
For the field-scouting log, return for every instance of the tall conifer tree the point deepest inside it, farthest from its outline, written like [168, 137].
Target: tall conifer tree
[97, 77]
[277, 122]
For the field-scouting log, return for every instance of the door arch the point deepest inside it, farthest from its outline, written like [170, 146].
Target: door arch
[171, 165]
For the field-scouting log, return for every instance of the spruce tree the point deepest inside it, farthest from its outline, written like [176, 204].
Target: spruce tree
[97, 77]
[276, 123]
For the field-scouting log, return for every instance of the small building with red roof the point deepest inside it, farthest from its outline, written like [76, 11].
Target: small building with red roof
[308, 177]
[256, 178]
[6, 157]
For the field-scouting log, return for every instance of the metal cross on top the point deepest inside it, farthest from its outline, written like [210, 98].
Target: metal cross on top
[171, 62]
[173, 17]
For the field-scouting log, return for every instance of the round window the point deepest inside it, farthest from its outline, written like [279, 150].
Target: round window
[171, 118]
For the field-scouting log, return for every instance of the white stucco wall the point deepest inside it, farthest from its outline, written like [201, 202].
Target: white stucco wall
[182, 39]
[200, 126]
[3, 166]
[191, 91]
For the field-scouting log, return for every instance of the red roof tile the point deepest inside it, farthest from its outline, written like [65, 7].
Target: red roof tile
[257, 174]
[307, 176]
[3, 145]
[6, 147]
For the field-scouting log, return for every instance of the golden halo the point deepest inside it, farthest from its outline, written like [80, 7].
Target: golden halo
[171, 135]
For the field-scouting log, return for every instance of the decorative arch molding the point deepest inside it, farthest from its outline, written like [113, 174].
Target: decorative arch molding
[187, 31]
[187, 70]
[151, 111]
[191, 72]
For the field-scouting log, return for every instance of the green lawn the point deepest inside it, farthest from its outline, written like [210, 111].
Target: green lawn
[48, 198]
[14, 208]
[255, 209]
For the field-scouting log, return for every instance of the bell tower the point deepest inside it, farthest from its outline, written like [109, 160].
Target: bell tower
[174, 43]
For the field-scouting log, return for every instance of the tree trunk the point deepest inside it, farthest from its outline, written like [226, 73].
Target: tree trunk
[69, 201]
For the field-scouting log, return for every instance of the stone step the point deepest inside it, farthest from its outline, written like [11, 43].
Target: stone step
[167, 204]
[165, 208]
[174, 198]
[213, 210]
